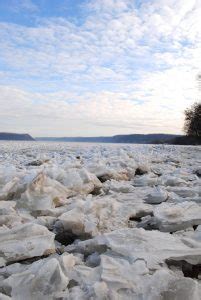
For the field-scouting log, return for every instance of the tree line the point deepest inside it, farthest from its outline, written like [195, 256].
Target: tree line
[192, 124]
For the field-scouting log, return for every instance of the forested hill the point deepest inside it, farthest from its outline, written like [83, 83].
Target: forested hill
[7, 136]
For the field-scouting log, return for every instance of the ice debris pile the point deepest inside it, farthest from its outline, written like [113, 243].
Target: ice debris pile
[100, 222]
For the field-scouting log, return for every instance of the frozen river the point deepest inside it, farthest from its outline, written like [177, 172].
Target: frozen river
[100, 221]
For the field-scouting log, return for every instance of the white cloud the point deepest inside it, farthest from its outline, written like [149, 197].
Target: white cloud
[22, 6]
[57, 113]
[119, 56]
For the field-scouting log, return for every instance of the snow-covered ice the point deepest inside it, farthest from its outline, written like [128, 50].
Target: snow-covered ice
[100, 221]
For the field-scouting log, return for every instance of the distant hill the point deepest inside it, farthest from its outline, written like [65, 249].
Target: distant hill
[6, 136]
[129, 138]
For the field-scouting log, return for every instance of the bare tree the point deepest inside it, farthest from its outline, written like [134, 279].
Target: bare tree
[192, 125]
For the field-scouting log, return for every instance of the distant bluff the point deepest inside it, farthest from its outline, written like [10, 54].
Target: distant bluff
[7, 136]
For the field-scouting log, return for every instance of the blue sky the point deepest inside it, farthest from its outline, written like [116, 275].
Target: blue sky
[71, 67]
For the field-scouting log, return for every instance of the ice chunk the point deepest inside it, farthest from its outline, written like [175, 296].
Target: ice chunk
[43, 193]
[25, 241]
[172, 217]
[42, 280]
[157, 196]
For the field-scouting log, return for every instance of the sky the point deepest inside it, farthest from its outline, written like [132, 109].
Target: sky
[98, 67]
